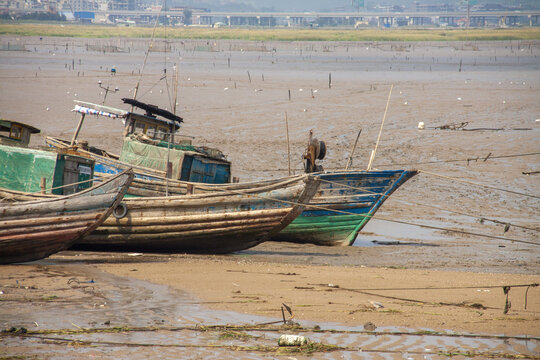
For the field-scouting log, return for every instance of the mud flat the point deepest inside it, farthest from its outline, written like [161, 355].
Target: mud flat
[234, 95]
[118, 305]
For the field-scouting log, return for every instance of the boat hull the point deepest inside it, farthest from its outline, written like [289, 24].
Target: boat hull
[215, 222]
[343, 205]
[33, 230]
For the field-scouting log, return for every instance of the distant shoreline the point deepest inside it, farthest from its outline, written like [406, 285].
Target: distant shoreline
[369, 34]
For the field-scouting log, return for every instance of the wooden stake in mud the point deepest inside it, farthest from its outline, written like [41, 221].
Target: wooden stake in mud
[372, 157]
[349, 162]
[288, 144]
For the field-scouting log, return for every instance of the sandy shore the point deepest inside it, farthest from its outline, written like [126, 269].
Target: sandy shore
[240, 108]
[353, 296]
[118, 305]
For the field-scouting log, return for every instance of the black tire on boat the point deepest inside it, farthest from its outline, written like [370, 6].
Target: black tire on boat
[120, 211]
[322, 150]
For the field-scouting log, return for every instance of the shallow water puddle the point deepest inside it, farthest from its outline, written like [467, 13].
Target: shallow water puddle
[96, 314]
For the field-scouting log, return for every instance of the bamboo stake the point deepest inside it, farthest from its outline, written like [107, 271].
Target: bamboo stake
[372, 157]
[288, 143]
[79, 125]
[349, 162]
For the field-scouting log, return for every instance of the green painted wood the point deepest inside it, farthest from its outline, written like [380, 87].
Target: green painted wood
[324, 230]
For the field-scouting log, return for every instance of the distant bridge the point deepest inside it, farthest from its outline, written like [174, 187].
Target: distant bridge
[291, 19]
[329, 19]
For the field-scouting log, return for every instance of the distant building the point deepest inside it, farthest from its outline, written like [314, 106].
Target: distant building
[420, 7]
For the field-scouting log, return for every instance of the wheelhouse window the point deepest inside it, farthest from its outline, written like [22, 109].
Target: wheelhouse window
[16, 132]
[4, 132]
[161, 133]
[150, 131]
[139, 127]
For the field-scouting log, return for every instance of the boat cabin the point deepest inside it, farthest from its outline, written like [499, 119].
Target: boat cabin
[14, 133]
[149, 142]
[154, 128]
[33, 170]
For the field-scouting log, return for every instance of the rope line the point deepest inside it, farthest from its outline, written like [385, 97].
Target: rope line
[293, 203]
[460, 231]
[259, 327]
[147, 53]
[416, 163]
[364, 189]
[275, 349]
[390, 220]
[461, 160]
[443, 288]
[152, 87]
[478, 184]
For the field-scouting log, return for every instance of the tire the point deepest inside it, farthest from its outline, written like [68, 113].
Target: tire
[322, 150]
[120, 211]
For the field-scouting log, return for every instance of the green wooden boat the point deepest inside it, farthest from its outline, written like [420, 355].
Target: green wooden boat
[343, 205]
[36, 170]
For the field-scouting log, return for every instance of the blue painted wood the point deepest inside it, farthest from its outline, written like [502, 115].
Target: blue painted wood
[345, 203]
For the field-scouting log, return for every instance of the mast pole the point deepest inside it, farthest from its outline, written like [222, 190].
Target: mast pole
[79, 125]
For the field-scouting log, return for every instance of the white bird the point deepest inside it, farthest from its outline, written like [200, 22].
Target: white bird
[376, 305]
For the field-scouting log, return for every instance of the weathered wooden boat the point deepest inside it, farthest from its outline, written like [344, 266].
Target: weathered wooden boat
[150, 149]
[33, 230]
[14, 133]
[30, 170]
[343, 205]
[214, 222]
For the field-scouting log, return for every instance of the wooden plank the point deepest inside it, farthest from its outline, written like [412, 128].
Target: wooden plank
[153, 229]
[203, 217]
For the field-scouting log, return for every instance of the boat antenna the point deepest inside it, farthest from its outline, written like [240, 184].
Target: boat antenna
[175, 89]
[171, 134]
[147, 53]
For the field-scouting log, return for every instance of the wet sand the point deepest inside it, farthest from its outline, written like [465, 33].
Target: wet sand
[240, 109]
[118, 305]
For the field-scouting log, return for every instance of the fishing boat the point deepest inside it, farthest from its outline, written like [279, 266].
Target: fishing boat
[30, 170]
[343, 205]
[213, 222]
[33, 230]
[14, 133]
[161, 164]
